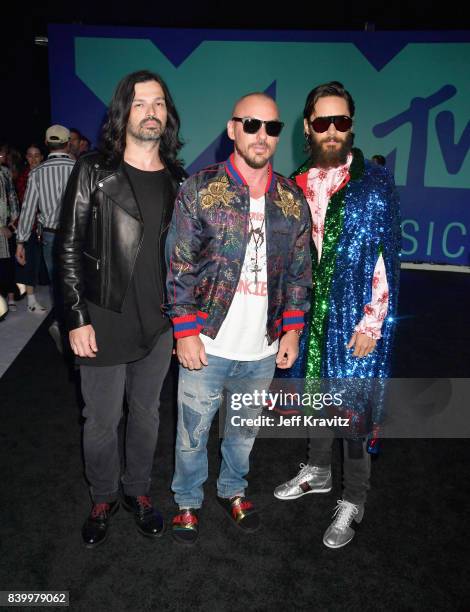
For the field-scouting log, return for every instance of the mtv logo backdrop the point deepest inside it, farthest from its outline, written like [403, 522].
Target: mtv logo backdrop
[412, 92]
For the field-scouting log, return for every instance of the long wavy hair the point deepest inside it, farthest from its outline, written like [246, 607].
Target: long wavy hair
[113, 135]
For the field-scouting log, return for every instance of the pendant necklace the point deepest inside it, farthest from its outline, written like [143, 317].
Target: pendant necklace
[257, 236]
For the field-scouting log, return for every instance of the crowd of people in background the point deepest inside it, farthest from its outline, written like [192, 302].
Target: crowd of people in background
[30, 198]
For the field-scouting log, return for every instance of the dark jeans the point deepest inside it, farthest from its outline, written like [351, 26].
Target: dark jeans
[103, 391]
[356, 464]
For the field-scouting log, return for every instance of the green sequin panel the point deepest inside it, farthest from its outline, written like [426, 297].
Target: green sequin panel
[323, 271]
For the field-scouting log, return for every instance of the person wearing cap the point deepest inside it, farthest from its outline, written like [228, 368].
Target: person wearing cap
[44, 191]
[28, 274]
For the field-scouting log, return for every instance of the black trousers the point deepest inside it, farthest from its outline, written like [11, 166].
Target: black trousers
[7, 276]
[103, 391]
[29, 273]
[356, 464]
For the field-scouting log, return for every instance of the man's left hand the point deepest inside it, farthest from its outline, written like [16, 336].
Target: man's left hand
[288, 350]
[362, 343]
[20, 254]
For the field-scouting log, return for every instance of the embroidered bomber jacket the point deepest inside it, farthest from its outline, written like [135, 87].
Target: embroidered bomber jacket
[206, 246]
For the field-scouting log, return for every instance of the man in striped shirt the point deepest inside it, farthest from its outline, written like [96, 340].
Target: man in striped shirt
[46, 185]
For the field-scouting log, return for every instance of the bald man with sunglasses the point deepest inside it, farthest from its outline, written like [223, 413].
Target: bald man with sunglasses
[356, 233]
[238, 286]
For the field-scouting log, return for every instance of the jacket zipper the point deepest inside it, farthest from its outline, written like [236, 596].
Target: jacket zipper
[94, 226]
[105, 252]
[97, 261]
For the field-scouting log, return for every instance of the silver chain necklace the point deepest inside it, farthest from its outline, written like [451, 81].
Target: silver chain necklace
[257, 236]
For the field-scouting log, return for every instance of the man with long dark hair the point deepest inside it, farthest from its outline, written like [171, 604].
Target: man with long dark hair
[356, 233]
[116, 211]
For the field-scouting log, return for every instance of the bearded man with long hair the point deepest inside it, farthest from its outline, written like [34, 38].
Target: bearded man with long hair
[116, 211]
[355, 258]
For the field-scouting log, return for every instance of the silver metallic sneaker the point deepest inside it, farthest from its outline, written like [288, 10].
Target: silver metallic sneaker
[340, 533]
[310, 479]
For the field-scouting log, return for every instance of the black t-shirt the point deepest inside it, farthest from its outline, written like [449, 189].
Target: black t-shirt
[130, 335]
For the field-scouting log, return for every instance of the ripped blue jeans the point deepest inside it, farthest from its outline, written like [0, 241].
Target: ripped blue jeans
[200, 394]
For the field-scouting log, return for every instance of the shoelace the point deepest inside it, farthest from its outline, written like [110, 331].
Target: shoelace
[344, 513]
[99, 510]
[304, 471]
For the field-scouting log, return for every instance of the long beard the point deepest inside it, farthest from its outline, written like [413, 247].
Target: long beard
[324, 158]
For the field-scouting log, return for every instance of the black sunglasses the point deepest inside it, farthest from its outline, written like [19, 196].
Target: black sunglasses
[341, 122]
[251, 126]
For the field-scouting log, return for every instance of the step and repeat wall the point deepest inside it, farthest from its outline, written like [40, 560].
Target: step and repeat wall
[412, 94]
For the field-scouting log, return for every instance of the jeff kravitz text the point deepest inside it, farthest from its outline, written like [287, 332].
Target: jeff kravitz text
[293, 421]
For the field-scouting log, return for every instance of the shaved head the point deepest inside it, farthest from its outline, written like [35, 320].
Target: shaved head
[256, 94]
[255, 149]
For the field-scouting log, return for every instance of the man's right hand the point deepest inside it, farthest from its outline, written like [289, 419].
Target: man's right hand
[83, 341]
[191, 352]
[20, 254]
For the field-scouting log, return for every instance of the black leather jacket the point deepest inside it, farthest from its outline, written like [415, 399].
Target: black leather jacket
[100, 234]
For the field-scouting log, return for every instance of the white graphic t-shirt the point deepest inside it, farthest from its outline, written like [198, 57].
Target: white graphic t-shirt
[242, 335]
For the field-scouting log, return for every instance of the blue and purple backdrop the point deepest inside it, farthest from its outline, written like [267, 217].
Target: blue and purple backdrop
[411, 91]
